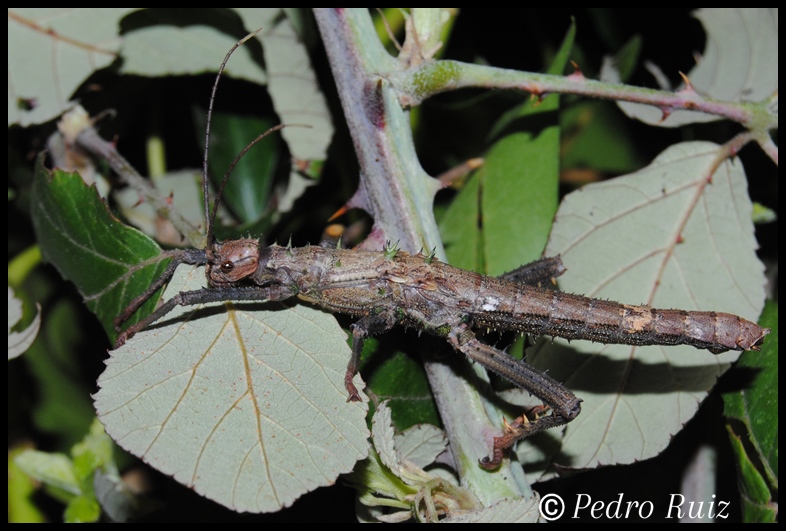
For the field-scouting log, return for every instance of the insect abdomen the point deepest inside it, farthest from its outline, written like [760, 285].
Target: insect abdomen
[541, 311]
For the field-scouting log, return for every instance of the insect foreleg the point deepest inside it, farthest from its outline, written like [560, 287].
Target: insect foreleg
[276, 292]
[366, 326]
[185, 256]
[564, 404]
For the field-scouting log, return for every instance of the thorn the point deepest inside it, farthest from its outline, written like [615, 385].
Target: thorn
[506, 425]
[340, 212]
[338, 242]
[430, 257]
[538, 96]
[666, 112]
[577, 74]
[680, 239]
[390, 250]
[688, 84]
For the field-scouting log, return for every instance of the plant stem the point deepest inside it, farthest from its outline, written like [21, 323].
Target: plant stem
[398, 193]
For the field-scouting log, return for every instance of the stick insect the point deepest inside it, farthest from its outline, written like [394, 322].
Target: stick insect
[389, 288]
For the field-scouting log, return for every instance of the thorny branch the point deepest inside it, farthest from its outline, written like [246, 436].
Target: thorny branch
[398, 194]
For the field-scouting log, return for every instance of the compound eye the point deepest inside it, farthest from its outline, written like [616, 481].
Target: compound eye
[227, 267]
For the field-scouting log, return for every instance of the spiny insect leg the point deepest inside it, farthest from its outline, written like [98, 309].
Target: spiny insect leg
[366, 326]
[564, 404]
[186, 256]
[203, 296]
[528, 424]
[536, 273]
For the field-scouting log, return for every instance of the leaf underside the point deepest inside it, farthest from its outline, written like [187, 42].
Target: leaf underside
[244, 403]
[666, 237]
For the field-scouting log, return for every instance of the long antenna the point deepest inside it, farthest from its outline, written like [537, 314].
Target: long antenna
[205, 192]
[220, 191]
[210, 218]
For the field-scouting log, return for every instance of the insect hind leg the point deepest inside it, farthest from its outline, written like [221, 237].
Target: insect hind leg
[564, 404]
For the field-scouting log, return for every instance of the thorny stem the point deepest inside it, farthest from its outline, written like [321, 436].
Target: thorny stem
[398, 193]
[417, 84]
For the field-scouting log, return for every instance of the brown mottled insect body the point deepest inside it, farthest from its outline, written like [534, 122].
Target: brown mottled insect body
[390, 287]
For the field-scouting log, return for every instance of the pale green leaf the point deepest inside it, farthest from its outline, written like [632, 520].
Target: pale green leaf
[162, 49]
[739, 63]
[668, 237]
[294, 90]
[421, 444]
[183, 187]
[295, 93]
[53, 469]
[243, 403]
[19, 342]
[382, 435]
[51, 51]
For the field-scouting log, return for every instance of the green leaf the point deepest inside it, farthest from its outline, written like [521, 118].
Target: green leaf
[247, 192]
[590, 128]
[56, 362]
[401, 380]
[82, 509]
[109, 262]
[243, 403]
[421, 444]
[71, 479]
[162, 43]
[752, 405]
[460, 229]
[21, 493]
[668, 237]
[753, 426]
[296, 95]
[502, 219]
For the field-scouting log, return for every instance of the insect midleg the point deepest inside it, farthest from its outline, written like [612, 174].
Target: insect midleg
[364, 327]
[542, 271]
